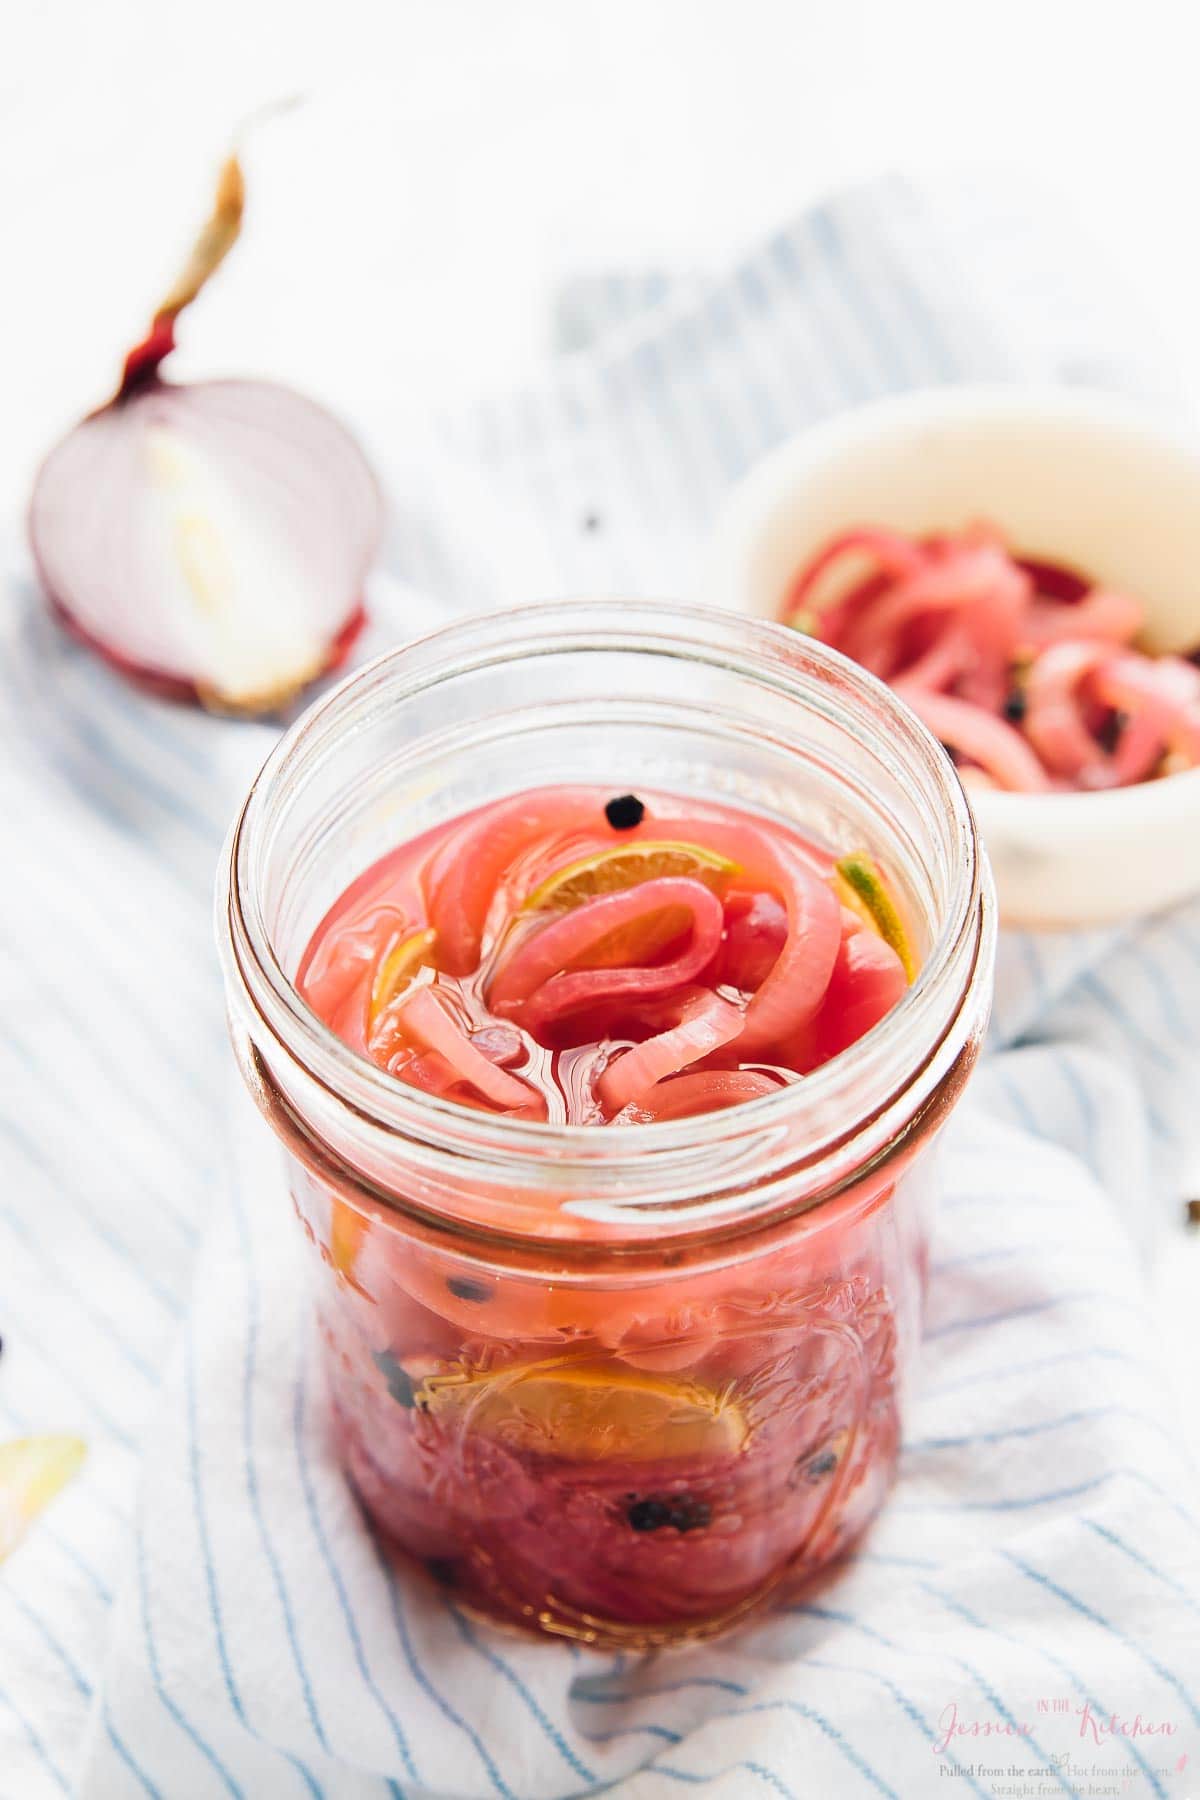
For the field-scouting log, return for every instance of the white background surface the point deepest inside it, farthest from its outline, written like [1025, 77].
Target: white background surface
[453, 158]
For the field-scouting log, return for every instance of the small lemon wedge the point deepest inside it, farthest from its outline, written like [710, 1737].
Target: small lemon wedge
[399, 966]
[609, 871]
[589, 1412]
[860, 886]
[32, 1471]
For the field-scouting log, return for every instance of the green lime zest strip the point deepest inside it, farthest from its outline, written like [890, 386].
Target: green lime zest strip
[862, 877]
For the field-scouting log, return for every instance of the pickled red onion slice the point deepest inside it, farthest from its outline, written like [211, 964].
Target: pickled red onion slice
[706, 1090]
[547, 977]
[894, 556]
[756, 928]
[868, 980]
[996, 746]
[1053, 718]
[796, 985]
[1165, 690]
[420, 1016]
[706, 1023]
[1115, 618]
[470, 867]
[960, 627]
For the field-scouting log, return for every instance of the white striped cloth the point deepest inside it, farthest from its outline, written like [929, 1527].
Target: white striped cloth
[203, 1613]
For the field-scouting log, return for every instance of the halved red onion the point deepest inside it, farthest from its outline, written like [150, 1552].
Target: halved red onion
[212, 538]
[706, 1023]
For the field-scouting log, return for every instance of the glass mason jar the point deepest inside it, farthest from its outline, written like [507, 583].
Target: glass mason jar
[617, 1384]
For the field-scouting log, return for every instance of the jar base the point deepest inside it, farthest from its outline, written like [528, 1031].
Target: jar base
[553, 1619]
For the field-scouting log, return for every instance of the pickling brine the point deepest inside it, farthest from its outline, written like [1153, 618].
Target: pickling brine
[652, 1455]
[588, 959]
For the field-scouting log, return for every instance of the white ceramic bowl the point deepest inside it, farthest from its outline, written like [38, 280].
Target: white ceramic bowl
[1066, 475]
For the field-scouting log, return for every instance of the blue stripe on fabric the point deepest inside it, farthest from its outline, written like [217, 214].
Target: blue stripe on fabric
[724, 308]
[890, 1561]
[982, 1321]
[879, 1637]
[30, 1339]
[1089, 1612]
[786, 257]
[1086, 1353]
[418, 1671]
[50, 1080]
[170, 1706]
[947, 366]
[1086, 1416]
[125, 1254]
[620, 1731]
[1050, 1656]
[667, 1687]
[126, 1755]
[653, 388]
[335, 1576]
[47, 1529]
[689, 1779]
[1031, 957]
[858, 297]
[1160, 1493]
[1090, 1135]
[530, 1700]
[1090, 983]
[907, 1707]
[824, 1725]
[683, 348]
[1018, 1103]
[82, 1684]
[209, 831]
[1014, 1504]
[43, 1755]
[1143, 1562]
[1141, 954]
[249, 1368]
[206, 1552]
[79, 1297]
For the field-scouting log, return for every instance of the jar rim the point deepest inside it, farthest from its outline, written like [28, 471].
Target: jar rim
[765, 653]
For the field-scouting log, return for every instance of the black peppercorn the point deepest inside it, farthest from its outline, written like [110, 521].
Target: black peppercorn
[649, 1515]
[821, 1466]
[1015, 705]
[690, 1514]
[399, 1381]
[463, 1288]
[684, 1511]
[625, 812]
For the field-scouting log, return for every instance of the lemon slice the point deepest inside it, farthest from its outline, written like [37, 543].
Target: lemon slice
[347, 1229]
[32, 1471]
[589, 1412]
[860, 886]
[622, 866]
[399, 966]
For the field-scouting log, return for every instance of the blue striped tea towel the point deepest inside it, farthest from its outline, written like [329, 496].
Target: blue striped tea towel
[203, 1612]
